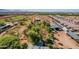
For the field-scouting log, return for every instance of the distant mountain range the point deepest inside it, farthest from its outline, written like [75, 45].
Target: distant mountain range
[12, 10]
[39, 10]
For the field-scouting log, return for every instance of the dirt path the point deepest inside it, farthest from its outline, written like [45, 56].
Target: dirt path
[22, 36]
[64, 41]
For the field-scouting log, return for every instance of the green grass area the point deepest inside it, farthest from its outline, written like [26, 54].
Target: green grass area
[2, 22]
[11, 42]
[17, 18]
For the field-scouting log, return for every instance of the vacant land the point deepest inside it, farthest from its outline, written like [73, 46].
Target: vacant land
[64, 41]
[36, 31]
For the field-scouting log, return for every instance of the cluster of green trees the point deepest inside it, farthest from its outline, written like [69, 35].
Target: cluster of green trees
[34, 37]
[11, 42]
[34, 32]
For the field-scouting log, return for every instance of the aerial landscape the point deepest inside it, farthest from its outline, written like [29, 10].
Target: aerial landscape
[39, 29]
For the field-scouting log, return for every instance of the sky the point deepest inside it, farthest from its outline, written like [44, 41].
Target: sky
[36, 5]
[39, 4]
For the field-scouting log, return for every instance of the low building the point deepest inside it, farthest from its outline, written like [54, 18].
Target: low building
[74, 35]
[55, 27]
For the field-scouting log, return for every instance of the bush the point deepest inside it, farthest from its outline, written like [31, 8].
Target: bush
[34, 36]
[17, 45]
[50, 39]
[50, 46]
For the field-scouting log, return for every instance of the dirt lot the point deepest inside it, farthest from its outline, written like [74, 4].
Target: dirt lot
[64, 41]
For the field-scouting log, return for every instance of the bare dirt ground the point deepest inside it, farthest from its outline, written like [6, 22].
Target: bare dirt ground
[22, 36]
[64, 41]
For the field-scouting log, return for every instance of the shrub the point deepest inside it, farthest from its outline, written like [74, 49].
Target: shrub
[34, 36]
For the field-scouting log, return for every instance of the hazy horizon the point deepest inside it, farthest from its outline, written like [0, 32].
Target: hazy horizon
[39, 10]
